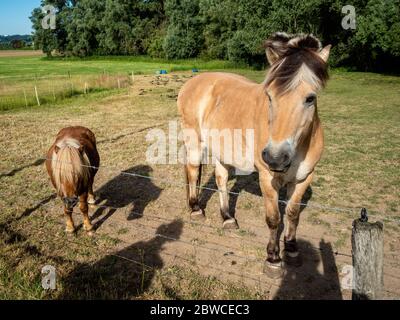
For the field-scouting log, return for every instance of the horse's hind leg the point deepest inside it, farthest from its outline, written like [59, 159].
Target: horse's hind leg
[221, 178]
[193, 170]
[87, 225]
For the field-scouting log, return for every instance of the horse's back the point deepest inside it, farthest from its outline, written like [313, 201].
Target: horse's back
[201, 94]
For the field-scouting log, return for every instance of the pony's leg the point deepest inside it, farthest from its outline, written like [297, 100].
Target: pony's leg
[87, 225]
[273, 265]
[91, 197]
[221, 178]
[292, 212]
[70, 227]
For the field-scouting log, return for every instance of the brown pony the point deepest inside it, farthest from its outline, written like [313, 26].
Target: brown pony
[72, 163]
[288, 137]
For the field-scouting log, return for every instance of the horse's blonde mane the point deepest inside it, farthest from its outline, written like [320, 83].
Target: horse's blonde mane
[295, 59]
[69, 166]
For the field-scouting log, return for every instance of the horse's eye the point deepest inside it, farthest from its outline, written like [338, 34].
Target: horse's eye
[310, 100]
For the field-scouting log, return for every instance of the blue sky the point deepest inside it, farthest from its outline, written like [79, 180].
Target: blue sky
[14, 16]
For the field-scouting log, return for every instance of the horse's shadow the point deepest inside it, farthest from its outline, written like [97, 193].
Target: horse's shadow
[306, 281]
[248, 183]
[123, 274]
[124, 190]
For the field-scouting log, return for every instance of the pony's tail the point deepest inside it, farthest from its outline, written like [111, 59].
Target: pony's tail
[70, 166]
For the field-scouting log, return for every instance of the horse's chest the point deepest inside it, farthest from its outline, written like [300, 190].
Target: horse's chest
[298, 171]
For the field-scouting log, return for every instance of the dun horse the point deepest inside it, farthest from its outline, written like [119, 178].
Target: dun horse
[72, 163]
[288, 137]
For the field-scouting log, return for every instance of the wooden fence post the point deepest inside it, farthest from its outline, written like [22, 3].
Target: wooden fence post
[367, 247]
[26, 100]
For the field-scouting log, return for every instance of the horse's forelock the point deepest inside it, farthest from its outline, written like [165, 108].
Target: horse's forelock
[69, 166]
[299, 61]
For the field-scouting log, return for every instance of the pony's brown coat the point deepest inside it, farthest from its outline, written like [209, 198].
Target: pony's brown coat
[72, 163]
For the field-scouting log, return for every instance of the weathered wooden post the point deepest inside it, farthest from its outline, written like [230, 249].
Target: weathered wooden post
[367, 245]
[37, 96]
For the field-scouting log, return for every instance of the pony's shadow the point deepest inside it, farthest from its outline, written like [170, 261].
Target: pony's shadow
[248, 183]
[307, 282]
[123, 274]
[123, 190]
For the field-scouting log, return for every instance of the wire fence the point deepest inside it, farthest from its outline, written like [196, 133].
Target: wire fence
[355, 210]
[218, 247]
[222, 251]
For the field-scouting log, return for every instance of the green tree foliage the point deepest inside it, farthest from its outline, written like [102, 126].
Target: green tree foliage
[221, 29]
[47, 39]
[184, 37]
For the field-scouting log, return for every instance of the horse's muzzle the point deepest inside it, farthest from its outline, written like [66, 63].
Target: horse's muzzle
[70, 202]
[278, 160]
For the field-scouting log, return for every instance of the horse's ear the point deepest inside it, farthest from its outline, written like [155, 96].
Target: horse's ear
[324, 53]
[276, 46]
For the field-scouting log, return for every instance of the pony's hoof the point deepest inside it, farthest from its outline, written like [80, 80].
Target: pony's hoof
[91, 200]
[197, 215]
[230, 224]
[69, 230]
[292, 258]
[90, 233]
[273, 270]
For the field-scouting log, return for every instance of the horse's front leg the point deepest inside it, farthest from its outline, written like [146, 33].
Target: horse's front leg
[70, 227]
[83, 206]
[295, 193]
[273, 266]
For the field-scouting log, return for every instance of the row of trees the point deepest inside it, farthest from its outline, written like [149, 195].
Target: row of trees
[220, 29]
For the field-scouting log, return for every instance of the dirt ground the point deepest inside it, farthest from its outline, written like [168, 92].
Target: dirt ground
[147, 229]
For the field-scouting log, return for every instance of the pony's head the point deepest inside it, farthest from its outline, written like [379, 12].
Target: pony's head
[298, 71]
[71, 170]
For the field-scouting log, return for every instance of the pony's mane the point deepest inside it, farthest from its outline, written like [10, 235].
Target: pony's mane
[69, 165]
[296, 60]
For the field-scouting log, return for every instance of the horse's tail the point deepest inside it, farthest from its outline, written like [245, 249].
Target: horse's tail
[69, 165]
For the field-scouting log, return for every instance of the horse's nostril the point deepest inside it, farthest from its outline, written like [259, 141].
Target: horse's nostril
[285, 158]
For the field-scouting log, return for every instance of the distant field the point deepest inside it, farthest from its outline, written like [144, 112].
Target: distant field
[21, 53]
[359, 168]
[31, 66]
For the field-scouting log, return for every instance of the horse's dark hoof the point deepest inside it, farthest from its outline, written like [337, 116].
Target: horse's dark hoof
[273, 270]
[197, 215]
[292, 258]
[230, 224]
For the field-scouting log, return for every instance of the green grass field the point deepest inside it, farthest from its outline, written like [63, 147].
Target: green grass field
[42, 67]
[360, 167]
